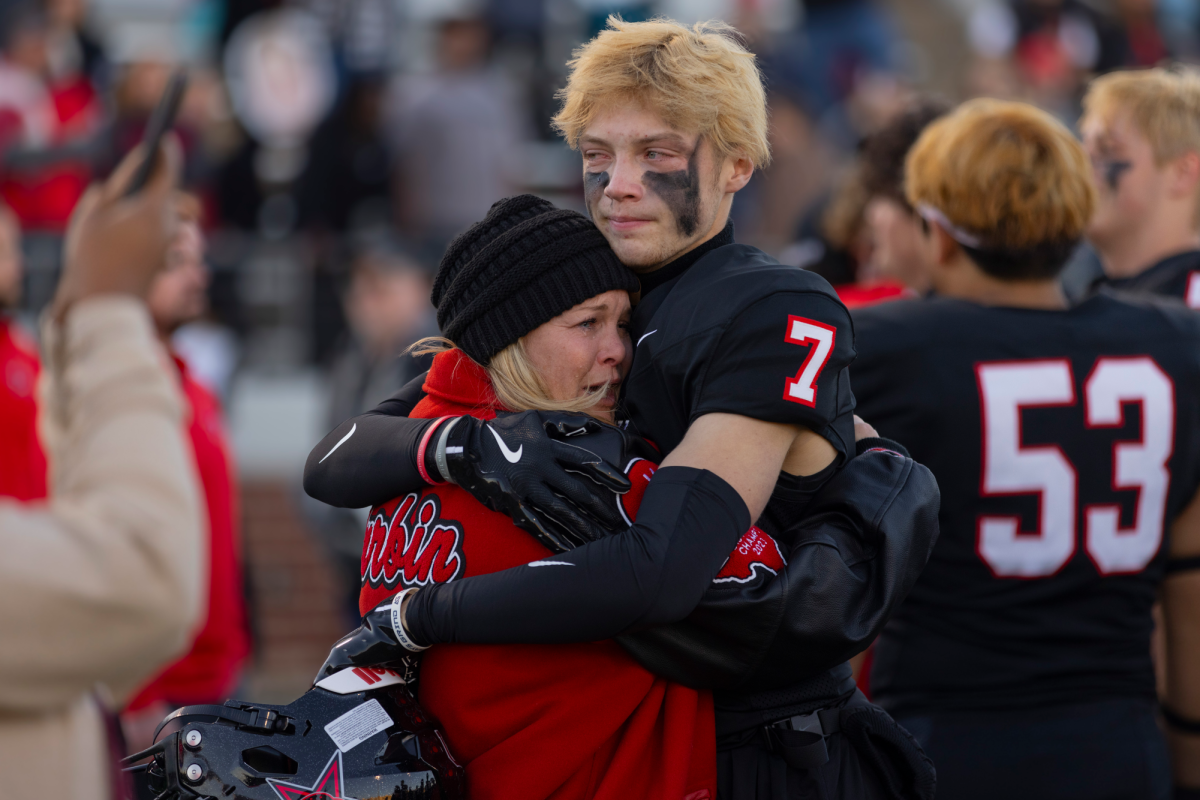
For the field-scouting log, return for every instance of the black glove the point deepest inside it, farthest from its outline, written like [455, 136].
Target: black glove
[524, 465]
[373, 644]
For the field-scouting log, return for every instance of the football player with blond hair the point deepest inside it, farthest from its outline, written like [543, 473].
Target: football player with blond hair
[1141, 129]
[1066, 441]
[740, 376]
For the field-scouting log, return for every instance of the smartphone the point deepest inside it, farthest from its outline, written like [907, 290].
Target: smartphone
[162, 119]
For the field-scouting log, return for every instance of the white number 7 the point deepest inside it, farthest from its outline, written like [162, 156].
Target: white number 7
[820, 337]
[1008, 468]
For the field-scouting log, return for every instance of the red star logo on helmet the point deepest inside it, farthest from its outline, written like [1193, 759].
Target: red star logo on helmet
[327, 787]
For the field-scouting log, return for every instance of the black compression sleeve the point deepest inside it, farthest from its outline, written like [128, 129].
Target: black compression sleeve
[371, 458]
[651, 574]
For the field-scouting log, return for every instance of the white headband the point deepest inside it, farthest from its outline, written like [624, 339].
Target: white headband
[931, 214]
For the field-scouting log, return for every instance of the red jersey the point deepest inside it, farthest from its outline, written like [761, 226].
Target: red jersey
[209, 671]
[22, 460]
[530, 721]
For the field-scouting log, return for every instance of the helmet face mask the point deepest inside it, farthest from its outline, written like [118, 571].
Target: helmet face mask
[376, 742]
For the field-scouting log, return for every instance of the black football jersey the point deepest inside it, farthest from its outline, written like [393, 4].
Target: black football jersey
[1176, 276]
[740, 333]
[1064, 443]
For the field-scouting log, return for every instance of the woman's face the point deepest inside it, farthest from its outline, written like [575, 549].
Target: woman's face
[584, 348]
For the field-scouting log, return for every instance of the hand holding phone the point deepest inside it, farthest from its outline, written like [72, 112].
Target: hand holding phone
[162, 119]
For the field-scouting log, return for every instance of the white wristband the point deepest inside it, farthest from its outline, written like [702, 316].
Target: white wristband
[398, 624]
[439, 452]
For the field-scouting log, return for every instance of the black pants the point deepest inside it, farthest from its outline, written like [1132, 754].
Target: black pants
[870, 758]
[1109, 750]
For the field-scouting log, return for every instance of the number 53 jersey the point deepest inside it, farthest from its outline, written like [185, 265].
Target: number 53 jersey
[1064, 443]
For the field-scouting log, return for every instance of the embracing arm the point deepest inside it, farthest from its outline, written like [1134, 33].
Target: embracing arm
[371, 458]
[850, 560]
[1181, 612]
[701, 500]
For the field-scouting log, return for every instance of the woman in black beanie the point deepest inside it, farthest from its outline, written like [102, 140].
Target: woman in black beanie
[535, 296]
[534, 307]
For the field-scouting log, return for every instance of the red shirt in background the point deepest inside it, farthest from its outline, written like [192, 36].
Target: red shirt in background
[210, 670]
[22, 461]
[568, 721]
[861, 295]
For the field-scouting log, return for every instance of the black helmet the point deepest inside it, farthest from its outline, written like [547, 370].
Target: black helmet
[356, 734]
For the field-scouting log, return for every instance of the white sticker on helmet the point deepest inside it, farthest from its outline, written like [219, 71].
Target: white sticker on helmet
[357, 725]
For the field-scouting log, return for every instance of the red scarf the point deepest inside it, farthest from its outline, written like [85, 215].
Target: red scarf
[530, 721]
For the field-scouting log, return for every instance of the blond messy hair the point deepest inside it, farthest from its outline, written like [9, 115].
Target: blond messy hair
[1006, 172]
[698, 79]
[515, 381]
[1163, 104]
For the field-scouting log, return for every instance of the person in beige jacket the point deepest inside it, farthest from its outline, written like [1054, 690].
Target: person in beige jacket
[99, 586]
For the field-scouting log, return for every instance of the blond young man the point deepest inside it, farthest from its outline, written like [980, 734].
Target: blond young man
[1141, 130]
[1066, 441]
[740, 376]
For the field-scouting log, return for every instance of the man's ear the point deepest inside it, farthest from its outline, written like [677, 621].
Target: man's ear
[945, 249]
[738, 169]
[1186, 174]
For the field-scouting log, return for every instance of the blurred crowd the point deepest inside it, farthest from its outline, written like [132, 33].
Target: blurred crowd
[332, 149]
[325, 135]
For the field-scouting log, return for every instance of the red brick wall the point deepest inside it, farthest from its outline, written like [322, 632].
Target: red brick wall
[294, 595]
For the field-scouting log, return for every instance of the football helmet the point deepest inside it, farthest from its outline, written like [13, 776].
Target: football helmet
[358, 734]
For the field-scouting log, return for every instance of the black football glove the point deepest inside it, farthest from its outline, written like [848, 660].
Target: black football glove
[526, 465]
[373, 644]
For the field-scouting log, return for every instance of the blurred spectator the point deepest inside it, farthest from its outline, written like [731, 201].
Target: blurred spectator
[22, 461]
[100, 585]
[347, 186]
[73, 51]
[897, 259]
[387, 307]
[456, 134]
[42, 108]
[210, 670]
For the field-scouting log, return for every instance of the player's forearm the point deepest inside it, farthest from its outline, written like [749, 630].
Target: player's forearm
[102, 585]
[746, 453]
[653, 573]
[371, 458]
[877, 497]
[367, 460]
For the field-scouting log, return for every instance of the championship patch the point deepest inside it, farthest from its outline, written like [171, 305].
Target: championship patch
[755, 551]
[407, 543]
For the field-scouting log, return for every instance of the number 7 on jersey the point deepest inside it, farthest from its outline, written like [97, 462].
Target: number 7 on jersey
[820, 339]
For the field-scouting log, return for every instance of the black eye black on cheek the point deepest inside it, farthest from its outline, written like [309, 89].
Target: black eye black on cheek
[680, 190]
[594, 184]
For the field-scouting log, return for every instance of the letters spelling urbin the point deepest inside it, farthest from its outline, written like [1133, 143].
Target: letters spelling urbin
[408, 542]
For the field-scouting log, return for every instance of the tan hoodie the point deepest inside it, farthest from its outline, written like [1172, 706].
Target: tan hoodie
[101, 585]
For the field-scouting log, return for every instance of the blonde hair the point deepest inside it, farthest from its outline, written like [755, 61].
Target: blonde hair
[699, 78]
[1164, 105]
[515, 381]
[1007, 172]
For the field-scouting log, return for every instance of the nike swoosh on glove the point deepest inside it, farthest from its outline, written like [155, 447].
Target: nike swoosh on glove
[527, 465]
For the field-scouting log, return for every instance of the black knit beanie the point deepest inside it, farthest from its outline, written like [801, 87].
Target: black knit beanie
[525, 263]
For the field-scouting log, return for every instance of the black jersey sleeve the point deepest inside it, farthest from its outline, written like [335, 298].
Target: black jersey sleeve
[370, 458]
[852, 558]
[784, 359]
[653, 573]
